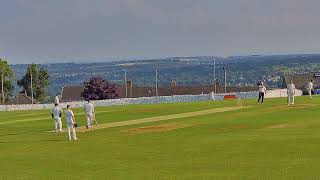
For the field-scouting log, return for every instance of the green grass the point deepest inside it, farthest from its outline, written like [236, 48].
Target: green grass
[269, 141]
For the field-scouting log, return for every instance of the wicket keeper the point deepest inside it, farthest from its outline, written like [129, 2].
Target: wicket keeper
[70, 121]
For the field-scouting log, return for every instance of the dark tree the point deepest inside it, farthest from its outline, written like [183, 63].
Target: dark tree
[7, 75]
[40, 78]
[43, 81]
[99, 89]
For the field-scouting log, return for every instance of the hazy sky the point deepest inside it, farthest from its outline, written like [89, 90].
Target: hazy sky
[43, 30]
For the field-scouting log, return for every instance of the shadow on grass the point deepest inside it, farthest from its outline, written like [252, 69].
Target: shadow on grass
[23, 133]
[32, 141]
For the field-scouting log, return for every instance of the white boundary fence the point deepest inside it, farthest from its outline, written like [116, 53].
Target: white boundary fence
[151, 100]
[275, 93]
[111, 102]
[281, 93]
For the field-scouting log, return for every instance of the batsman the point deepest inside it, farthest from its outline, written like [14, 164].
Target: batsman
[291, 91]
[90, 114]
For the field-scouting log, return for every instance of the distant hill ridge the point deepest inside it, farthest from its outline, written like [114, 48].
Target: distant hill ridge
[241, 70]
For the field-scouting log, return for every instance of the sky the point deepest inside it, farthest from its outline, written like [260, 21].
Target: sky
[44, 31]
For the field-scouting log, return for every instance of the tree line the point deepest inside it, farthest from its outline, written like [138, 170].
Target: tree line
[36, 79]
[34, 82]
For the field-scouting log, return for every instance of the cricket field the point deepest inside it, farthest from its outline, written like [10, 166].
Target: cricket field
[199, 140]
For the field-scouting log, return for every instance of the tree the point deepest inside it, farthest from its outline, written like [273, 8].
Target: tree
[98, 88]
[6, 76]
[40, 81]
[43, 81]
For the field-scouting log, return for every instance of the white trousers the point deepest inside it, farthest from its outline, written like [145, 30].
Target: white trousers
[70, 127]
[290, 99]
[310, 93]
[89, 118]
[57, 124]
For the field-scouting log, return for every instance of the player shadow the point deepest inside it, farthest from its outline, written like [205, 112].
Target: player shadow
[22, 133]
[32, 141]
[10, 134]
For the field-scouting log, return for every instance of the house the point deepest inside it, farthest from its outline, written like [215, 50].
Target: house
[22, 98]
[301, 80]
[73, 93]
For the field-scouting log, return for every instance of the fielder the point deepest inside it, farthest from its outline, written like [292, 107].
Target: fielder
[56, 113]
[90, 114]
[70, 121]
[56, 99]
[291, 90]
[310, 88]
[212, 95]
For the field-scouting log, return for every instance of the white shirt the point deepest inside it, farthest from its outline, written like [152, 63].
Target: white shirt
[212, 95]
[69, 115]
[262, 89]
[56, 100]
[89, 108]
[56, 111]
[291, 88]
[310, 85]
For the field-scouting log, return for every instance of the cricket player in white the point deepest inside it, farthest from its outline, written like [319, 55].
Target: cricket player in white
[291, 90]
[90, 114]
[310, 88]
[56, 99]
[70, 121]
[56, 115]
[212, 95]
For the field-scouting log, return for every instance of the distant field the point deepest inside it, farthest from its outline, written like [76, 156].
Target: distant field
[202, 140]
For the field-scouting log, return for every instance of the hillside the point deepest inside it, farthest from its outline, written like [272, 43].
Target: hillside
[242, 70]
